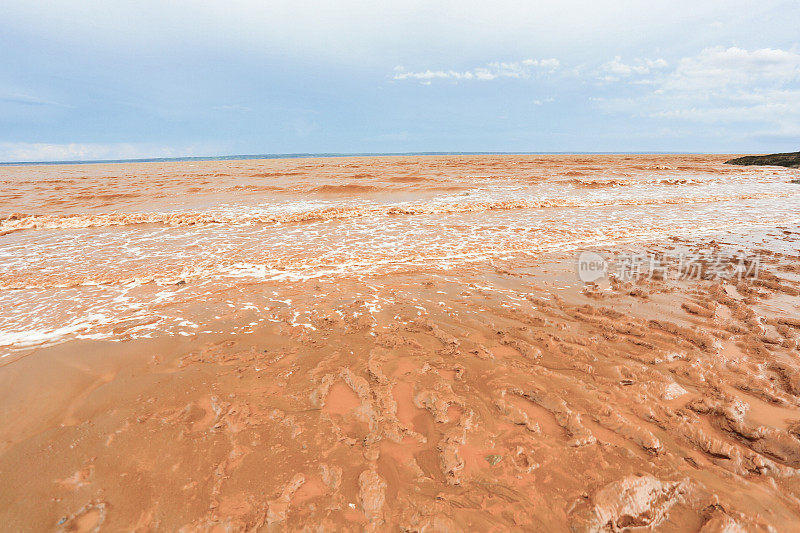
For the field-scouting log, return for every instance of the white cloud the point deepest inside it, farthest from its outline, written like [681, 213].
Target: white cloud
[358, 32]
[755, 113]
[616, 69]
[718, 69]
[524, 69]
[759, 88]
[27, 100]
[18, 152]
[546, 64]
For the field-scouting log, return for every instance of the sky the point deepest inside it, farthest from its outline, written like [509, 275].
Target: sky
[128, 79]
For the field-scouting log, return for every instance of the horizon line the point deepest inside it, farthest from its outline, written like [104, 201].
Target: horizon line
[310, 155]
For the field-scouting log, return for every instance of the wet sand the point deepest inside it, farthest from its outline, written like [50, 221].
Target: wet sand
[443, 392]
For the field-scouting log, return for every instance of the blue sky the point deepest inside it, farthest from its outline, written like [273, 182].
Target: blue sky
[112, 79]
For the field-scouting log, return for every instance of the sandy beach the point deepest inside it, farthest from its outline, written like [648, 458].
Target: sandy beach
[401, 343]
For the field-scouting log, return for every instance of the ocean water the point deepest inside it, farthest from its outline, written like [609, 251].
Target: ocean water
[119, 250]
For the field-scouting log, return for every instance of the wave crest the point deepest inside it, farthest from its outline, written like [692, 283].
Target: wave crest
[21, 221]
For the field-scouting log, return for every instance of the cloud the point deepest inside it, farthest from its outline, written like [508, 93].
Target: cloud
[355, 31]
[758, 106]
[25, 99]
[711, 69]
[546, 64]
[21, 152]
[719, 69]
[616, 70]
[786, 134]
[524, 69]
[759, 88]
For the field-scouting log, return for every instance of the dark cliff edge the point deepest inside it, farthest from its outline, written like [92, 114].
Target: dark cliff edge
[791, 160]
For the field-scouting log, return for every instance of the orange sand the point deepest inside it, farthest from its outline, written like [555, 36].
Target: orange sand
[492, 391]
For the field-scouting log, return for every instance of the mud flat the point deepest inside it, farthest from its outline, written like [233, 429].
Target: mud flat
[400, 343]
[506, 394]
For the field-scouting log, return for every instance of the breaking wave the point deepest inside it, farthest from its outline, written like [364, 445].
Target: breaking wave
[20, 221]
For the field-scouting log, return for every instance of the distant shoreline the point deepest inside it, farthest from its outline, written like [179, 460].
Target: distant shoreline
[245, 157]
